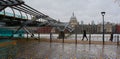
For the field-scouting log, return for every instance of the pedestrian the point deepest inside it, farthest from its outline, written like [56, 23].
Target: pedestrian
[84, 35]
[111, 37]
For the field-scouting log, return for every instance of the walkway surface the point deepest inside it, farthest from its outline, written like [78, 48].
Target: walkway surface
[46, 50]
[78, 41]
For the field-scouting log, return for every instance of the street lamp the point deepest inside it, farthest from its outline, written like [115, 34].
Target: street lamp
[103, 13]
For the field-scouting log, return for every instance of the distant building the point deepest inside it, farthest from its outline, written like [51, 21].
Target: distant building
[73, 21]
[99, 28]
[46, 29]
[92, 23]
[89, 28]
[108, 27]
[84, 27]
[117, 30]
[82, 22]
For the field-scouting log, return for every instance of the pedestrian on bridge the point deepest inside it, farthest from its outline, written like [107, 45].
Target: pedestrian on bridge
[84, 35]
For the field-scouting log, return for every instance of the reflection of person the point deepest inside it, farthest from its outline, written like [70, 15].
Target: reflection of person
[111, 37]
[84, 35]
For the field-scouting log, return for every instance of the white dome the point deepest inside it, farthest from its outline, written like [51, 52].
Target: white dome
[73, 21]
[73, 18]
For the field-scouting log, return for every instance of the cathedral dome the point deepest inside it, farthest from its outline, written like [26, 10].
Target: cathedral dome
[73, 21]
[73, 18]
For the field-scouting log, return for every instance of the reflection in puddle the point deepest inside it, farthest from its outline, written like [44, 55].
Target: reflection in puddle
[69, 51]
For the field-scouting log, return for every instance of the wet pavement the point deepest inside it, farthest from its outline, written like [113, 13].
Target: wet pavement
[44, 50]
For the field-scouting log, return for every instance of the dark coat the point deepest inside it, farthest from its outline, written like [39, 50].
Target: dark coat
[84, 33]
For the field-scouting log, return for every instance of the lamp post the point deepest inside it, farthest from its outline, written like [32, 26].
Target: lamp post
[103, 13]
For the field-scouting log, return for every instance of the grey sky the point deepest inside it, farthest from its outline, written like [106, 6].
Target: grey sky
[86, 10]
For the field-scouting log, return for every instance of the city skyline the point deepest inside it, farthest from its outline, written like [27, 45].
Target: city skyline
[85, 10]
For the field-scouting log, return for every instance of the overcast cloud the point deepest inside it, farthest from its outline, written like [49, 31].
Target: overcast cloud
[86, 10]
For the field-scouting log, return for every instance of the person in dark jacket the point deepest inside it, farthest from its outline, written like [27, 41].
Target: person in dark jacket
[111, 37]
[84, 35]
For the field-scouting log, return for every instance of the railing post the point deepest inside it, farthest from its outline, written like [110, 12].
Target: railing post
[27, 36]
[90, 34]
[39, 37]
[117, 39]
[63, 35]
[89, 39]
[50, 37]
[76, 35]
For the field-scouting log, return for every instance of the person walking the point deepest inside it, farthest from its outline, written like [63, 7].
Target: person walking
[111, 37]
[84, 35]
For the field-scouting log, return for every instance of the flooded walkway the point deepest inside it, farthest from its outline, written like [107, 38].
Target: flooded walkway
[45, 50]
[80, 41]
